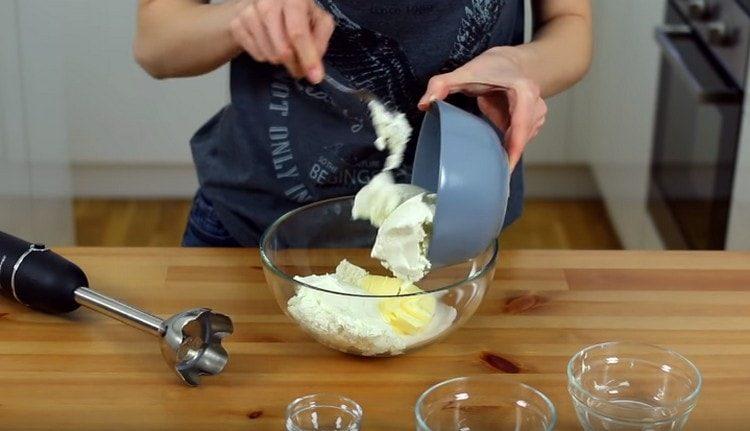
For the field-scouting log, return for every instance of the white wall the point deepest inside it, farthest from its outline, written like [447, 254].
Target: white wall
[116, 113]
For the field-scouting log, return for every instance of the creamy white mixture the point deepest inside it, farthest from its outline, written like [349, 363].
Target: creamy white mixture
[403, 238]
[393, 132]
[402, 212]
[380, 197]
[355, 324]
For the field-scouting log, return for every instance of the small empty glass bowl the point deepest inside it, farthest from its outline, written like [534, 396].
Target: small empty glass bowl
[619, 386]
[484, 403]
[323, 412]
[312, 240]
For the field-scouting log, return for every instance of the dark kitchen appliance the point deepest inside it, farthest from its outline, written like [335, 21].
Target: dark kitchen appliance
[40, 279]
[704, 45]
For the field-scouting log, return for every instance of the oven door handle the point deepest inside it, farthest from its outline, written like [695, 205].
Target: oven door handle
[707, 89]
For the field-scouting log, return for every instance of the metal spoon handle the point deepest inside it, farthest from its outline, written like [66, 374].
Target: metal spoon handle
[364, 95]
[119, 310]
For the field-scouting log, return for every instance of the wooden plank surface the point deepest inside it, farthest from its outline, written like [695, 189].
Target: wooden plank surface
[546, 224]
[85, 372]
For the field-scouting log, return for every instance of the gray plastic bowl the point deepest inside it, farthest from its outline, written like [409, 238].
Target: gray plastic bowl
[460, 157]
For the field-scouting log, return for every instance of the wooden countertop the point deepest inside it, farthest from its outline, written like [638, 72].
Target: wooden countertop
[86, 372]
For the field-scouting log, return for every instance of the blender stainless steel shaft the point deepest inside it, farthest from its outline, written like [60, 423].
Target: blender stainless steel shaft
[118, 310]
[190, 340]
[38, 278]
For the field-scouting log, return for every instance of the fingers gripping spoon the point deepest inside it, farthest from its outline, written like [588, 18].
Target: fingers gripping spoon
[40, 279]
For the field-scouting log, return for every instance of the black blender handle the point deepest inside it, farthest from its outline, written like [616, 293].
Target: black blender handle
[37, 277]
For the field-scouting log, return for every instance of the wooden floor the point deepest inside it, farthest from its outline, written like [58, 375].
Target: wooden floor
[577, 225]
[545, 224]
[113, 223]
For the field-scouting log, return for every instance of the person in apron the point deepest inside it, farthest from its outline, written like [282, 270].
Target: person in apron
[281, 143]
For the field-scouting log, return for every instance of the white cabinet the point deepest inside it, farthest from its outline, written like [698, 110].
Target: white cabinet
[128, 133]
[117, 114]
[15, 187]
[738, 231]
[552, 146]
[612, 111]
[34, 171]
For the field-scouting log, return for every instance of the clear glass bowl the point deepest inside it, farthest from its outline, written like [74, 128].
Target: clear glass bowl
[622, 386]
[312, 240]
[323, 412]
[484, 403]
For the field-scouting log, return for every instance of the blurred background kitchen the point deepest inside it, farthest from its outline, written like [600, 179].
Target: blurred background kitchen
[651, 150]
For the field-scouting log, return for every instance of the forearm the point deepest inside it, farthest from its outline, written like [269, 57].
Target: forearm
[560, 52]
[184, 37]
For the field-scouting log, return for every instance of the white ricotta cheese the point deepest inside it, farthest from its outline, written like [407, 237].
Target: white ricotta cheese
[403, 238]
[393, 132]
[355, 324]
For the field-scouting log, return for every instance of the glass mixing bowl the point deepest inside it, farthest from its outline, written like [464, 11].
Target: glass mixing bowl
[624, 386]
[323, 412]
[312, 240]
[484, 402]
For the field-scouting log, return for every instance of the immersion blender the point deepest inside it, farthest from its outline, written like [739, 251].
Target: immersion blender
[43, 280]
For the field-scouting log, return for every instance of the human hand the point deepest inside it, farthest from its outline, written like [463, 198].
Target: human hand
[504, 94]
[293, 33]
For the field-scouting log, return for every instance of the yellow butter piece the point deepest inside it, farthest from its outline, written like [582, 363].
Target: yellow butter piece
[408, 315]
